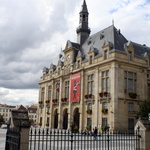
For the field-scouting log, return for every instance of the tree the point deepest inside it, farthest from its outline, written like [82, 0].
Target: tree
[144, 109]
[1, 119]
[31, 121]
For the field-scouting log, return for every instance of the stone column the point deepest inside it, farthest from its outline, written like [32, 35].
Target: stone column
[20, 120]
[44, 116]
[51, 105]
[114, 95]
[81, 109]
[96, 88]
[70, 120]
[60, 115]
[24, 140]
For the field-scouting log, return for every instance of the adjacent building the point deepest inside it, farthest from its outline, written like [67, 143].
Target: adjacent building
[99, 80]
[5, 111]
[32, 113]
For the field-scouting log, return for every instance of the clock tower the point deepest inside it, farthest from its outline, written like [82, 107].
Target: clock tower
[83, 30]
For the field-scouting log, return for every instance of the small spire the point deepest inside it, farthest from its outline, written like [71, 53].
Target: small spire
[113, 22]
[84, 7]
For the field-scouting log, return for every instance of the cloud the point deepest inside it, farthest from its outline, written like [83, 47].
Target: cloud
[18, 97]
[34, 31]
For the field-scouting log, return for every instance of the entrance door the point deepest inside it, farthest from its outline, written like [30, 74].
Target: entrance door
[65, 119]
[76, 117]
[55, 119]
[130, 124]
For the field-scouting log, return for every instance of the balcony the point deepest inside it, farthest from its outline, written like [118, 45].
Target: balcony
[105, 111]
[89, 98]
[55, 101]
[41, 104]
[130, 97]
[64, 100]
[104, 96]
[89, 111]
[47, 103]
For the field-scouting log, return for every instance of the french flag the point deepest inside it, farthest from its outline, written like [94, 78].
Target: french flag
[57, 87]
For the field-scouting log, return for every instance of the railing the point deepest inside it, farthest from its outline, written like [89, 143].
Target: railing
[12, 139]
[50, 139]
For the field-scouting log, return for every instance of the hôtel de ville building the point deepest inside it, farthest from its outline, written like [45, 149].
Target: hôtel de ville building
[99, 80]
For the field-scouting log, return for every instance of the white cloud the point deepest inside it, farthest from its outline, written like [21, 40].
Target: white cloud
[18, 97]
[33, 32]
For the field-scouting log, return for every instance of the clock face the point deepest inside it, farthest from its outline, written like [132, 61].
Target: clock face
[68, 57]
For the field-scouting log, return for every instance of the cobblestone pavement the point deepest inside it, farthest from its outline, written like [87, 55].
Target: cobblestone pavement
[2, 138]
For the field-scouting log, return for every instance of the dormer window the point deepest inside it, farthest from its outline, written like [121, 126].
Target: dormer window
[106, 54]
[78, 64]
[130, 56]
[91, 60]
[51, 73]
[58, 71]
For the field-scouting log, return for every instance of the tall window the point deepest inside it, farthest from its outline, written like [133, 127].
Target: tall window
[49, 92]
[148, 90]
[57, 90]
[89, 121]
[67, 89]
[90, 84]
[48, 109]
[105, 81]
[89, 106]
[40, 119]
[104, 121]
[91, 59]
[105, 105]
[42, 94]
[130, 107]
[48, 120]
[129, 82]
[131, 124]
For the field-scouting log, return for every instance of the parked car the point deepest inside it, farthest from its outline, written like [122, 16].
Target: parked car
[4, 126]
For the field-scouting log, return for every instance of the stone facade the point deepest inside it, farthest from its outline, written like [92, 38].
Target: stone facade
[114, 79]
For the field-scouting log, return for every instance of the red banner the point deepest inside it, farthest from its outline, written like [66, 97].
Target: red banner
[75, 87]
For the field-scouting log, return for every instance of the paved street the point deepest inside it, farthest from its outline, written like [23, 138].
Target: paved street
[2, 138]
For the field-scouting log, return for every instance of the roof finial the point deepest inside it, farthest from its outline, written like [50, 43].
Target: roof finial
[113, 22]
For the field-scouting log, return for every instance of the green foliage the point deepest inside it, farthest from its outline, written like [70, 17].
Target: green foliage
[88, 127]
[144, 109]
[1, 119]
[104, 128]
[47, 124]
[133, 95]
[31, 121]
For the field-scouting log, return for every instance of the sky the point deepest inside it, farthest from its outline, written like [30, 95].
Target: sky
[33, 32]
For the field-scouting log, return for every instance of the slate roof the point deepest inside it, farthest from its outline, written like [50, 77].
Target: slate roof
[110, 35]
[141, 50]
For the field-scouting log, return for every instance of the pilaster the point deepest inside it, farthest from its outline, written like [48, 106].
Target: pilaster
[114, 94]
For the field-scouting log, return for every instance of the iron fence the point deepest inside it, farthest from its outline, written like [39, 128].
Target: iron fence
[50, 139]
[12, 139]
